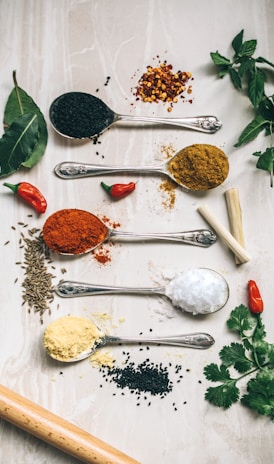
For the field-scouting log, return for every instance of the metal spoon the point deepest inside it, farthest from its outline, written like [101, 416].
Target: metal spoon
[194, 300]
[73, 170]
[200, 237]
[81, 115]
[198, 340]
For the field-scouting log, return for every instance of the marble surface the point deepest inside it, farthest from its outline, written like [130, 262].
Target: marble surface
[64, 45]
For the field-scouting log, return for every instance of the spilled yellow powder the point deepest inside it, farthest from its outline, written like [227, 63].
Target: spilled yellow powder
[167, 186]
[102, 358]
[67, 337]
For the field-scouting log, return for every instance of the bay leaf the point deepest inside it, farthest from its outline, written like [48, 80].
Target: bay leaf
[18, 142]
[18, 103]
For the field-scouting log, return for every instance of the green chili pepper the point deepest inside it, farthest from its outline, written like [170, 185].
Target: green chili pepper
[118, 191]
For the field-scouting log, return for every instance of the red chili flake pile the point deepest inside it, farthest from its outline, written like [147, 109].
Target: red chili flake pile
[162, 84]
[102, 254]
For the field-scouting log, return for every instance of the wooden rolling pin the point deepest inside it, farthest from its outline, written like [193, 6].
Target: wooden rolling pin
[57, 432]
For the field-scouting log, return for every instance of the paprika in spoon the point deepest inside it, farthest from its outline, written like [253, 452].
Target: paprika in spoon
[75, 232]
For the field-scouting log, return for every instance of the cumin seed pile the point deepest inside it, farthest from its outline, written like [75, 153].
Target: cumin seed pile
[38, 289]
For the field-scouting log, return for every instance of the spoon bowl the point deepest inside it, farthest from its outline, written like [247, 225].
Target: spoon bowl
[88, 232]
[70, 339]
[79, 115]
[198, 290]
[191, 168]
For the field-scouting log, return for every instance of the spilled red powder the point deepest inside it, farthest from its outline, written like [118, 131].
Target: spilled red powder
[102, 254]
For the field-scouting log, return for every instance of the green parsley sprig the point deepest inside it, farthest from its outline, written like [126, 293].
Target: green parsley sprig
[252, 358]
[248, 74]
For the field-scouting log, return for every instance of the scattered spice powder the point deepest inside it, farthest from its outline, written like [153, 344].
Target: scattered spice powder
[160, 83]
[167, 186]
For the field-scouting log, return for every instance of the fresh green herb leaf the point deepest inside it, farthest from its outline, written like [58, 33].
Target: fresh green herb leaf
[265, 160]
[224, 395]
[219, 60]
[260, 393]
[253, 358]
[234, 355]
[247, 76]
[237, 41]
[18, 103]
[252, 130]
[17, 143]
[217, 374]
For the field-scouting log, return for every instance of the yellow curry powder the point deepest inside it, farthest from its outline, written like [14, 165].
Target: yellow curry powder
[67, 337]
[199, 166]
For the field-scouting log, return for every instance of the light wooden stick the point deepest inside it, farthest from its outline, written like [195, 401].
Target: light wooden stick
[235, 216]
[57, 432]
[224, 234]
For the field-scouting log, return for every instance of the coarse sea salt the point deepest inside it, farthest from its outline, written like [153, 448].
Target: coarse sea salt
[198, 291]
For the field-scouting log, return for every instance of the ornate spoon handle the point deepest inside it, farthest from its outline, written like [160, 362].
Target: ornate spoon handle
[209, 124]
[193, 340]
[70, 289]
[200, 237]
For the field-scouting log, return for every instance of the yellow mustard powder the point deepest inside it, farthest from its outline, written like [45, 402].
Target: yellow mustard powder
[67, 337]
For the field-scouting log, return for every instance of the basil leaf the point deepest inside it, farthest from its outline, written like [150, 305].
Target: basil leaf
[19, 102]
[17, 143]
[248, 48]
[219, 59]
[260, 59]
[251, 130]
[256, 88]
[265, 161]
[236, 80]
[237, 41]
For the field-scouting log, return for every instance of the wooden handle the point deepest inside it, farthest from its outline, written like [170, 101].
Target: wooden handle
[235, 216]
[225, 235]
[57, 432]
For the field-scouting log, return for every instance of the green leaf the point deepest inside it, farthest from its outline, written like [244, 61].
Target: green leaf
[256, 88]
[252, 130]
[17, 143]
[248, 48]
[247, 65]
[240, 320]
[216, 374]
[18, 103]
[265, 161]
[260, 59]
[219, 59]
[235, 78]
[223, 395]
[234, 355]
[260, 393]
[237, 41]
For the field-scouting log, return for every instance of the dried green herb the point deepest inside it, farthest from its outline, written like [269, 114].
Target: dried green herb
[18, 142]
[19, 103]
[247, 75]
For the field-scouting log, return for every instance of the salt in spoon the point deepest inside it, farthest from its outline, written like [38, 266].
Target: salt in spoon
[79, 115]
[65, 340]
[197, 178]
[197, 291]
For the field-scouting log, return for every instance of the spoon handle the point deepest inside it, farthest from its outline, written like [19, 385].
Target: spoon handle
[200, 237]
[207, 123]
[193, 340]
[70, 169]
[70, 289]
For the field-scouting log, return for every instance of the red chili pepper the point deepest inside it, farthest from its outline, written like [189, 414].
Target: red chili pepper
[119, 190]
[30, 194]
[255, 301]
